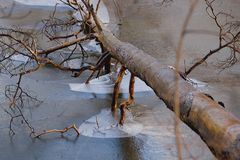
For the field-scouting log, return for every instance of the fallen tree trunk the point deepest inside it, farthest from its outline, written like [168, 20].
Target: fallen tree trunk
[218, 128]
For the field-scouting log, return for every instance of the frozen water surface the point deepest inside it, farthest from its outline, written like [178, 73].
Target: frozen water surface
[149, 130]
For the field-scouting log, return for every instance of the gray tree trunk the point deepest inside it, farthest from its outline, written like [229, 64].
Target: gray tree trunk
[218, 128]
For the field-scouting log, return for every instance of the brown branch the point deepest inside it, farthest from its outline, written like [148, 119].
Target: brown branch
[128, 102]
[29, 71]
[15, 97]
[62, 131]
[97, 122]
[116, 89]
[214, 16]
[19, 41]
[211, 53]
[68, 3]
[199, 112]
[91, 10]
[98, 5]
[225, 33]
[66, 44]
[98, 67]
[65, 36]
[68, 58]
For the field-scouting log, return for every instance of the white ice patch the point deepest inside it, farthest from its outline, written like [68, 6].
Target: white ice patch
[105, 125]
[105, 85]
[38, 2]
[19, 58]
[198, 84]
[74, 63]
[92, 46]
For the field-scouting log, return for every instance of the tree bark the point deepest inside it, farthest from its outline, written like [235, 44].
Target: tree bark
[219, 129]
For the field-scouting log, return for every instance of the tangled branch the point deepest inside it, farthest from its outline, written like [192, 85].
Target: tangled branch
[21, 54]
[17, 98]
[228, 37]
